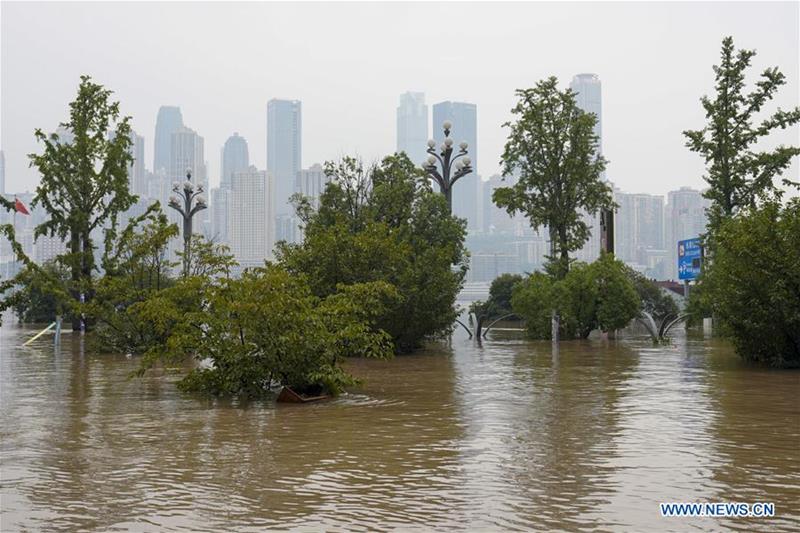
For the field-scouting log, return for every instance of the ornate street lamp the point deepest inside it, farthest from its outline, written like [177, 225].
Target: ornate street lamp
[461, 161]
[190, 193]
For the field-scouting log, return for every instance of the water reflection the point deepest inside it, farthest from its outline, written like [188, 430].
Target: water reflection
[503, 435]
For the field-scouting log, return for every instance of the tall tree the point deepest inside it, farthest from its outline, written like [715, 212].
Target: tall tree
[384, 223]
[553, 149]
[84, 180]
[739, 172]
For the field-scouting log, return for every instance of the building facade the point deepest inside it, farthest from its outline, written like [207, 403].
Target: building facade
[467, 190]
[235, 158]
[250, 218]
[284, 159]
[685, 219]
[168, 121]
[137, 173]
[412, 126]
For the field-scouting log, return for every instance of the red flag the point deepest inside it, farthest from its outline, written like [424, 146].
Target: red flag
[20, 207]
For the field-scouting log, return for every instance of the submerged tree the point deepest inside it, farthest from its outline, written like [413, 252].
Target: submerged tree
[739, 171]
[753, 286]
[596, 296]
[553, 148]
[267, 329]
[384, 224]
[84, 181]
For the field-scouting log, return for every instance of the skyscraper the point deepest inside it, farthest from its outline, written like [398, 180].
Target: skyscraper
[685, 219]
[235, 158]
[639, 228]
[250, 217]
[311, 182]
[464, 119]
[2, 172]
[220, 207]
[169, 121]
[186, 152]
[136, 172]
[412, 126]
[284, 150]
[589, 97]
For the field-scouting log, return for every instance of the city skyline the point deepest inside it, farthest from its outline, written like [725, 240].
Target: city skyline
[650, 96]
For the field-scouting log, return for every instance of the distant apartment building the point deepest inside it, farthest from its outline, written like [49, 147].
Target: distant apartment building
[137, 174]
[284, 159]
[187, 153]
[685, 219]
[311, 183]
[250, 217]
[220, 208]
[235, 158]
[639, 232]
[589, 97]
[412, 126]
[466, 191]
[168, 121]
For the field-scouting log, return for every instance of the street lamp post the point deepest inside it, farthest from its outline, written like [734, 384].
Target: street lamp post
[190, 194]
[447, 178]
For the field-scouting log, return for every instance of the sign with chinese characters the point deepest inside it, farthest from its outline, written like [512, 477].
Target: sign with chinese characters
[690, 258]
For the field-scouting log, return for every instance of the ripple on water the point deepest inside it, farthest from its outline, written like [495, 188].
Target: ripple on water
[503, 436]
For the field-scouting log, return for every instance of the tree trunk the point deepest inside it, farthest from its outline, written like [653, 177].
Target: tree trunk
[555, 324]
[87, 265]
[75, 267]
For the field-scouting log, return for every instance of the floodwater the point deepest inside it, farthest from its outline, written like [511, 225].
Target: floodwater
[507, 436]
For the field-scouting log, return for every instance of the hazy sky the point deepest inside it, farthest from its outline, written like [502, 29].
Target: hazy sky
[349, 62]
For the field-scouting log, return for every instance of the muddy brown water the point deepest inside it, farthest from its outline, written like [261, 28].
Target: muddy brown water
[503, 436]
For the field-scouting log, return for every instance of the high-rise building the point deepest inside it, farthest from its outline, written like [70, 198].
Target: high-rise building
[235, 158]
[412, 126]
[639, 231]
[136, 171]
[464, 120]
[685, 219]
[250, 218]
[169, 121]
[589, 97]
[2, 172]
[187, 153]
[284, 150]
[311, 183]
[220, 207]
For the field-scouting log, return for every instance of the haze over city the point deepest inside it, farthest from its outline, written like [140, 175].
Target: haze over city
[349, 63]
[418, 266]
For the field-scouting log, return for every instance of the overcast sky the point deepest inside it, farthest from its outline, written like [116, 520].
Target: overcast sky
[349, 62]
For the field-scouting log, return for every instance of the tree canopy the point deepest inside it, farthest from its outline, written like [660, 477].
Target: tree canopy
[83, 186]
[553, 149]
[753, 288]
[599, 295]
[739, 170]
[384, 223]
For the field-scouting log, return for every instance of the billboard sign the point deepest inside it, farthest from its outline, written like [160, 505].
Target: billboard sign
[690, 258]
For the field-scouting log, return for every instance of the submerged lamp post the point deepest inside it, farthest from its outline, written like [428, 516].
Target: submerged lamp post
[188, 194]
[447, 177]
